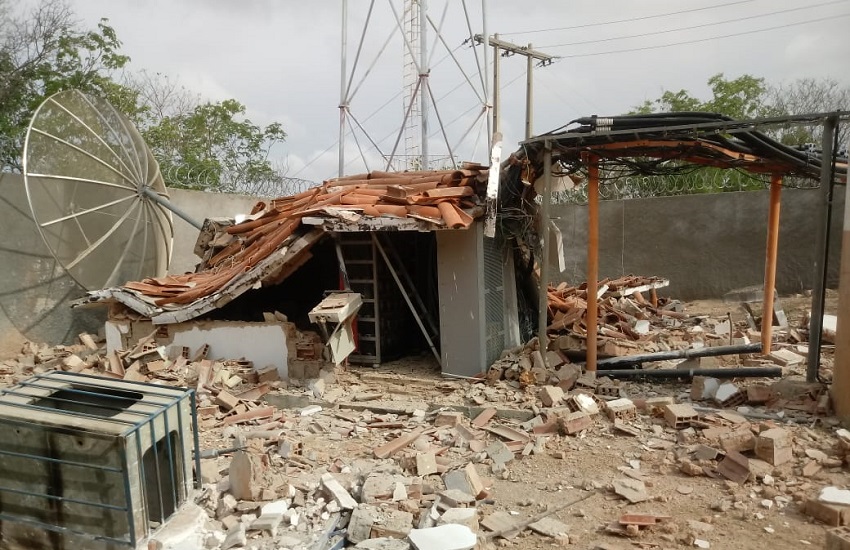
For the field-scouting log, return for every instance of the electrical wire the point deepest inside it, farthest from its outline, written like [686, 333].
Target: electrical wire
[707, 39]
[629, 20]
[700, 26]
[672, 127]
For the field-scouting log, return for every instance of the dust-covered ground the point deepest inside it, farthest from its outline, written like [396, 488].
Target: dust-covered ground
[342, 423]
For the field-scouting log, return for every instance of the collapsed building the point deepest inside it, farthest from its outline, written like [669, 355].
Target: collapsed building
[411, 245]
[381, 265]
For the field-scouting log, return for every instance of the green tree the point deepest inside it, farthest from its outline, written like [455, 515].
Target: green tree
[215, 147]
[743, 97]
[43, 51]
[201, 145]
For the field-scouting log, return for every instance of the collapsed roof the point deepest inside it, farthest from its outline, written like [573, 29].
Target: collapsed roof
[265, 247]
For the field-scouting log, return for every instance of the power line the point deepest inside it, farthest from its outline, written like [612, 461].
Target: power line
[698, 40]
[642, 18]
[700, 26]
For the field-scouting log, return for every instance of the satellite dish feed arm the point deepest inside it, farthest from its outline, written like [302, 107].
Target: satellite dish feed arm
[155, 197]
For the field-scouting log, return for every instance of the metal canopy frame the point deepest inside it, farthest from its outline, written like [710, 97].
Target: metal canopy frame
[689, 143]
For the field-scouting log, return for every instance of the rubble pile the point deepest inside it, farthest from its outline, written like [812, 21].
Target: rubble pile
[334, 458]
[628, 323]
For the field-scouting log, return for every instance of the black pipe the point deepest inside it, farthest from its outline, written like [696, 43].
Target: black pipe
[742, 372]
[713, 351]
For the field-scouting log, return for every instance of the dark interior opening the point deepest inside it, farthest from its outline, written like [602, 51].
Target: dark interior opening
[93, 400]
[295, 296]
[163, 491]
[386, 328]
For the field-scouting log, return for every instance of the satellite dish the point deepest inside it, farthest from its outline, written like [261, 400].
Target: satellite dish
[95, 192]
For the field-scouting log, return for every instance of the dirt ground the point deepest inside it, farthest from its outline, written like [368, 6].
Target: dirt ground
[736, 516]
[765, 511]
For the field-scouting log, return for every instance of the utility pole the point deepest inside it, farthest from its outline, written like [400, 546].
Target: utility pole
[507, 49]
[841, 371]
[497, 96]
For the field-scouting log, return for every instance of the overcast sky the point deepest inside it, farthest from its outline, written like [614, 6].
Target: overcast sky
[281, 58]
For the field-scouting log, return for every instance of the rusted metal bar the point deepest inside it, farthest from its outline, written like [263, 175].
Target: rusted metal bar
[592, 258]
[770, 263]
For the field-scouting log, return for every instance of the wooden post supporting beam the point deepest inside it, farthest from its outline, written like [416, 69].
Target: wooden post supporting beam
[841, 370]
[770, 263]
[592, 259]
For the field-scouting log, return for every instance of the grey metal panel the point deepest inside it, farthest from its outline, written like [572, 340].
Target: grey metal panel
[494, 298]
[460, 258]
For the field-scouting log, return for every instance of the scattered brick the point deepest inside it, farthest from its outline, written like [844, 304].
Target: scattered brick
[679, 416]
[774, 446]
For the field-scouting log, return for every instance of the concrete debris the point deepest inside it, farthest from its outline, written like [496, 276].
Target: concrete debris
[444, 537]
[383, 543]
[460, 516]
[631, 489]
[338, 493]
[235, 538]
[391, 461]
[550, 527]
[774, 446]
[834, 495]
[838, 539]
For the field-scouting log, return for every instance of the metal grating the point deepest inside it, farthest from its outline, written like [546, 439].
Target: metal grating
[93, 460]
[494, 299]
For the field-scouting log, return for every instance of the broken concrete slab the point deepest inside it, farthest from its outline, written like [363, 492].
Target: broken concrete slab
[786, 358]
[338, 492]
[242, 474]
[460, 516]
[383, 543]
[500, 521]
[448, 418]
[550, 527]
[704, 388]
[444, 537]
[426, 464]
[499, 452]
[550, 395]
[574, 422]
[235, 537]
[360, 524]
[267, 522]
[834, 495]
[631, 489]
